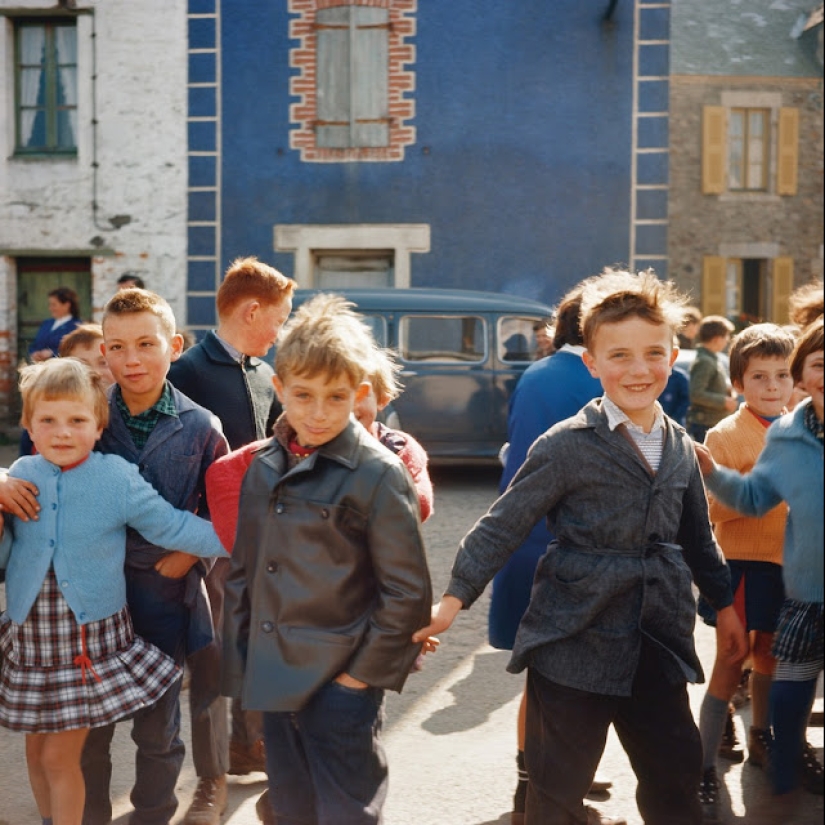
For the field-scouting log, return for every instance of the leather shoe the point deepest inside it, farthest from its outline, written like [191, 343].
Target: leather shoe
[263, 807]
[209, 802]
[245, 759]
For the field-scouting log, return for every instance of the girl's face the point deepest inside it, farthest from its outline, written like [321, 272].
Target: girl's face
[812, 380]
[57, 309]
[64, 430]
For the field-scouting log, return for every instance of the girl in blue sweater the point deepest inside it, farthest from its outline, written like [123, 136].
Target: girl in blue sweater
[790, 469]
[70, 659]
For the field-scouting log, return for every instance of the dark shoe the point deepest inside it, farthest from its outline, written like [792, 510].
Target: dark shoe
[743, 692]
[263, 807]
[709, 796]
[209, 802]
[596, 817]
[729, 748]
[812, 771]
[759, 747]
[244, 760]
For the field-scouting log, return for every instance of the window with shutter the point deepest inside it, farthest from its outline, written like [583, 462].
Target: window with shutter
[782, 288]
[352, 76]
[788, 140]
[714, 280]
[713, 150]
[353, 81]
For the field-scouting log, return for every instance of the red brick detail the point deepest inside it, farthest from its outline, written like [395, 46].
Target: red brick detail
[302, 114]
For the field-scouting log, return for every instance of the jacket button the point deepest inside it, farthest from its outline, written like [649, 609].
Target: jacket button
[267, 627]
[325, 513]
[279, 509]
[271, 567]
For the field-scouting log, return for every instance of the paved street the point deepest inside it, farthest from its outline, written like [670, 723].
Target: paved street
[451, 735]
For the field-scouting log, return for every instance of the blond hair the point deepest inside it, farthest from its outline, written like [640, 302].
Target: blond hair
[58, 379]
[132, 301]
[383, 375]
[617, 294]
[326, 336]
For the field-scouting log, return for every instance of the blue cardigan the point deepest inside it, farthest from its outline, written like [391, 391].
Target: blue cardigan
[789, 469]
[81, 532]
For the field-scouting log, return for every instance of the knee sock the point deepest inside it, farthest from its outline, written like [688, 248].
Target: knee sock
[521, 789]
[760, 695]
[790, 706]
[712, 717]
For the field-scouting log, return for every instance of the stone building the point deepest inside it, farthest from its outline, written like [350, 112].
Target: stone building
[746, 153]
[93, 158]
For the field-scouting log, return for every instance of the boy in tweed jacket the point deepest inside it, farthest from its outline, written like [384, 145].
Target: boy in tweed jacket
[608, 635]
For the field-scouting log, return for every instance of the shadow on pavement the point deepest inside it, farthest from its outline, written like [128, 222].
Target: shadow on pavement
[474, 701]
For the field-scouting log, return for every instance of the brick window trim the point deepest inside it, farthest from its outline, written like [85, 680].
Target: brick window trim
[302, 114]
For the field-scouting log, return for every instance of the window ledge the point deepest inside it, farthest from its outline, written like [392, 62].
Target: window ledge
[749, 197]
[41, 156]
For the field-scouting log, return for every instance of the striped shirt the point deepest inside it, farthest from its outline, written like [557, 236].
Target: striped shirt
[652, 444]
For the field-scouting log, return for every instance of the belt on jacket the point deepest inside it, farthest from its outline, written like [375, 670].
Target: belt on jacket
[644, 551]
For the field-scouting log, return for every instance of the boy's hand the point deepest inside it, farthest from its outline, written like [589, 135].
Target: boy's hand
[175, 565]
[706, 463]
[731, 639]
[347, 681]
[443, 615]
[19, 497]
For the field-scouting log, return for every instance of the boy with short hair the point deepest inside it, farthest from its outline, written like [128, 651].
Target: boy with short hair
[608, 634]
[328, 580]
[173, 441]
[759, 370]
[711, 396]
[84, 343]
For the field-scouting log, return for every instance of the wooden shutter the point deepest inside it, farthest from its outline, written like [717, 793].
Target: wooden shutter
[782, 288]
[787, 151]
[714, 148]
[352, 77]
[714, 272]
[333, 78]
[370, 77]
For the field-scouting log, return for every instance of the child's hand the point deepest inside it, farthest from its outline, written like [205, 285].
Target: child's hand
[175, 565]
[443, 616]
[19, 497]
[348, 681]
[706, 463]
[731, 639]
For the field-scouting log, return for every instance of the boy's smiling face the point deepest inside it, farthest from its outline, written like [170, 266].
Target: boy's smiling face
[766, 385]
[632, 359]
[139, 351]
[318, 408]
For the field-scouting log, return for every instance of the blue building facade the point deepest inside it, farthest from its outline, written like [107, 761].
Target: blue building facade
[520, 147]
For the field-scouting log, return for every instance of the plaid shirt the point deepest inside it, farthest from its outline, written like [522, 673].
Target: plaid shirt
[140, 426]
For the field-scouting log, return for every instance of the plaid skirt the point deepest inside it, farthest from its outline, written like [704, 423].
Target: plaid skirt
[799, 634]
[57, 675]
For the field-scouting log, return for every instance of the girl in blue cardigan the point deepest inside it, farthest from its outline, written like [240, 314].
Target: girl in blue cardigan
[790, 469]
[70, 659]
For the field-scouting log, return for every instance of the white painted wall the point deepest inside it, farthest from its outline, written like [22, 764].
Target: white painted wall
[140, 53]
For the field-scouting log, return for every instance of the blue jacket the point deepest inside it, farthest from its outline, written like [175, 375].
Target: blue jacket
[789, 469]
[81, 532]
[675, 399]
[47, 338]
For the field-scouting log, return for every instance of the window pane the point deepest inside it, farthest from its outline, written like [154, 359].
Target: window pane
[441, 338]
[756, 150]
[32, 128]
[516, 339]
[32, 40]
[735, 150]
[66, 131]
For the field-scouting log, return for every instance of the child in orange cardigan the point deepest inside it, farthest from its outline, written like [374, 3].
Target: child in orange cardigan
[752, 546]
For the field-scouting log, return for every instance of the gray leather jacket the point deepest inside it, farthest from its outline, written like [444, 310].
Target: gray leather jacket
[328, 574]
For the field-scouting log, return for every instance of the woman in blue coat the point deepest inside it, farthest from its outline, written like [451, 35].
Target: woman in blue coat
[549, 391]
[64, 309]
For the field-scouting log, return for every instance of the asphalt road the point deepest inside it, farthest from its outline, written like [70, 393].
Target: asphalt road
[450, 736]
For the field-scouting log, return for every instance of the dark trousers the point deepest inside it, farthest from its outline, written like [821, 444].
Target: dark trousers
[566, 734]
[326, 764]
[790, 708]
[210, 726]
[161, 617]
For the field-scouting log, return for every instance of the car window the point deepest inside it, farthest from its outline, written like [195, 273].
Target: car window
[446, 338]
[516, 339]
[378, 327]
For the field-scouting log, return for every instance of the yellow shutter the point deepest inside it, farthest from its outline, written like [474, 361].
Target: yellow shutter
[713, 285]
[782, 288]
[714, 144]
[787, 152]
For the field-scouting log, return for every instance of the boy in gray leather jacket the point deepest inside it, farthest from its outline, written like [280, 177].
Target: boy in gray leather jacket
[608, 634]
[328, 579]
